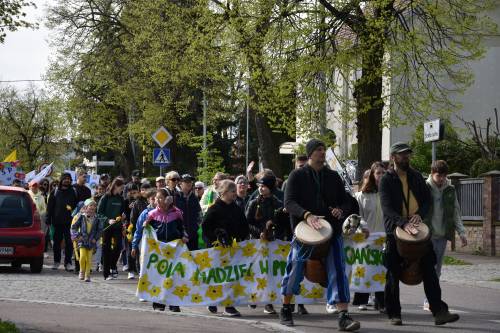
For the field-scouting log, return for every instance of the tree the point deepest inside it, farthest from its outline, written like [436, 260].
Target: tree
[12, 16]
[31, 122]
[422, 47]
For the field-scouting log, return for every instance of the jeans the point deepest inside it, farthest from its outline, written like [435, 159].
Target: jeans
[439, 245]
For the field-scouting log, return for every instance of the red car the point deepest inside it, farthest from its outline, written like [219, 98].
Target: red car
[21, 238]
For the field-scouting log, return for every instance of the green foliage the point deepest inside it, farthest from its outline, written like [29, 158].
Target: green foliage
[484, 165]
[12, 16]
[447, 260]
[459, 154]
[210, 160]
[8, 327]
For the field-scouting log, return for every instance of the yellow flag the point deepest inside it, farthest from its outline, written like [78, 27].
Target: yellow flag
[12, 157]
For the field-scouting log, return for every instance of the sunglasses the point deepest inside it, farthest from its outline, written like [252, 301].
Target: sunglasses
[198, 188]
[175, 179]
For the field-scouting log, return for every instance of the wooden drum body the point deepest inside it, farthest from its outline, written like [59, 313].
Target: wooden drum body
[412, 249]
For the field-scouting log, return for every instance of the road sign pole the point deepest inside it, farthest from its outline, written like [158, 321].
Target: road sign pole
[161, 170]
[433, 151]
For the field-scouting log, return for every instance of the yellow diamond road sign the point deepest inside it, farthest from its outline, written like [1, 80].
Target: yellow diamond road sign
[162, 136]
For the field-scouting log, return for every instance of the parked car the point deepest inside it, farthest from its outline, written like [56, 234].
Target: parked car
[21, 238]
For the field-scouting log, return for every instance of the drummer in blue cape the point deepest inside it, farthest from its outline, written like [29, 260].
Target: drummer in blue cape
[316, 195]
[410, 257]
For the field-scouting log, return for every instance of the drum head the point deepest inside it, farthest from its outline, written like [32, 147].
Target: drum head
[310, 236]
[423, 234]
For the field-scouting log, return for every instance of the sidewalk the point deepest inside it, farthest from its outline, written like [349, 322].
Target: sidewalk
[480, 273]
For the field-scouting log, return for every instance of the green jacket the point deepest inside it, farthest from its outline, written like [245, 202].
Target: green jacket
[444, 216]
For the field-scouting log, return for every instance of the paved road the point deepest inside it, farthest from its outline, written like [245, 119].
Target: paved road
[56, 301]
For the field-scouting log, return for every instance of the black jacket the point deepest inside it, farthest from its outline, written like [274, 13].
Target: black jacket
[60, 206]
[267, 207]
[391, 197]
[229, 218]
[191, 213]
[83, 192]
[303, 195]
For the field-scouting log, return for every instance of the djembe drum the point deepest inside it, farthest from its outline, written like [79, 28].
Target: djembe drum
[412, 248]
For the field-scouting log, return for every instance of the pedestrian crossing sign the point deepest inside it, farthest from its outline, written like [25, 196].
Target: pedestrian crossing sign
[161, 156]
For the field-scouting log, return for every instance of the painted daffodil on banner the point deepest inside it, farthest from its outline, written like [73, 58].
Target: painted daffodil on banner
[360, 272]
[194, 279]
[282, 250]
[224, 261]
[168, 283]
[248, 250]
[154, 245]
[181, 291]
[249, 277]
[227, 302]
[272, 296]
[143, 284]
[358, 237]
[316, 292]
[238, 290]
[168, 252]
[214, 292]
[154, 291]
[264, 251]
[187, 255]
[196, 298]
[203, 260]
[261, 283]
[380, 277]
[253, 298]
[379, 241]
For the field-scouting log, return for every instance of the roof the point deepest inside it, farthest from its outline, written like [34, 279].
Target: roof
[12, 189]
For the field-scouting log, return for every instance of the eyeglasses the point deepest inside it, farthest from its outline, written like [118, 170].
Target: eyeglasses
[198, 188]
[242, 183]
[175, 179]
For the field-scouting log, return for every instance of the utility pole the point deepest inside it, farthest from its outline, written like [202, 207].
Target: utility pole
[248, 125]
[204, 102]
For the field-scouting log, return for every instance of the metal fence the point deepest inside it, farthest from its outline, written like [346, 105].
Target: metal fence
[470, 198]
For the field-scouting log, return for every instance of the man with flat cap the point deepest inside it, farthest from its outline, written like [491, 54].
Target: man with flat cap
[312, 192]
[405, 201]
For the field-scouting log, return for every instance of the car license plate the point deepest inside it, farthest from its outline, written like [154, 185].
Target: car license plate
[6, 251]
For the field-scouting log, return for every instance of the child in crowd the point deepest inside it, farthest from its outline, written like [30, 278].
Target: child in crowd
[86, 229]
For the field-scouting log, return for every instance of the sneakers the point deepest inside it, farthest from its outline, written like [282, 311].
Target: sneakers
[396, 321]
[174, 308]
[301, 309]
[286, 317]
[114, 274]
[269, 309]
[81, 276]
[131, 276]
[252, 306]
[231, 312]
[125, 268]
[212, 309]
[55, 266]
[371, 300]
[68, 267]
[362, 307]
[109, 278]
[98, 268]
[142, 300]
[444, 317]
[87, 279]
[331, 309]
[426, 307]
[346, 323]
[158, 306]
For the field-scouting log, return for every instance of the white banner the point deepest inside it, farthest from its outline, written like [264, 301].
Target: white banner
[249, 272]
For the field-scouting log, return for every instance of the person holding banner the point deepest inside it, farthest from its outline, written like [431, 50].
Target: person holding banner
[370, 211]
[166, 220]
[314, 192]
[224, 223]
[405, 200]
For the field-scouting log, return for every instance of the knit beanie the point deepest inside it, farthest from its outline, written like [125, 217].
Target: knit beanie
[269, 181]
[312, 145]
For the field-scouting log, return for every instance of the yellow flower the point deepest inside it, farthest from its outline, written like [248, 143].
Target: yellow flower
[68, 207]
[168, 252]
[155, 291]
[196, 298]
[223, 250]
[238, 290]
[227, 302]
[195, 279]
[358, 237]
[261, 283]
[214, 292]
[153, 245]
[282, 250]
[181, 291]
[249, 250]
[249, 276]
[303, 290]
[203, 260]
[224, 262]
[360, 272]
[167, 283]
[316, 292]
[253, 297]
[187, 255]
[380, 277]
[272, 296]
[379, 241]
[264, 251]
[143, 284]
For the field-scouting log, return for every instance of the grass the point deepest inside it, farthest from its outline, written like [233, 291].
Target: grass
[454, 261]
[8, 327]
[495, 279]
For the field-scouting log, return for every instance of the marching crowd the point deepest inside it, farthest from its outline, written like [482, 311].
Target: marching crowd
[100, 229]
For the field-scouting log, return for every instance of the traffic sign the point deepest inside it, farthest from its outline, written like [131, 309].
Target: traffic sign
[433, 130]
[161, 156]
[162, 136]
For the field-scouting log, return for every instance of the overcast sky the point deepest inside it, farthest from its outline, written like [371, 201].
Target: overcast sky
[25, 53]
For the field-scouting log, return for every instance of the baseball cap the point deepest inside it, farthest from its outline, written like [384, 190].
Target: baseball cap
[199, 185]
[400, 147]
[160, 178]
[187, 177]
